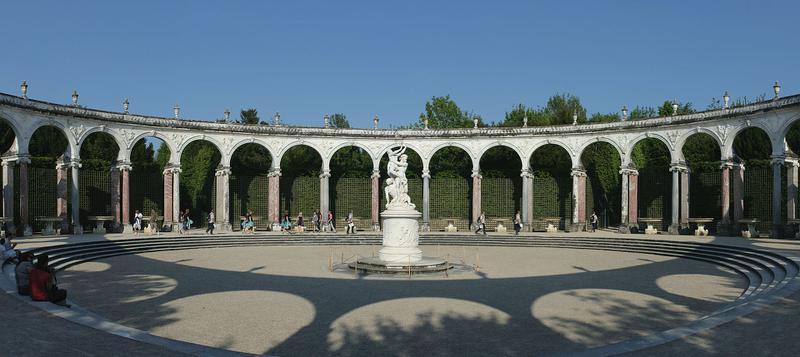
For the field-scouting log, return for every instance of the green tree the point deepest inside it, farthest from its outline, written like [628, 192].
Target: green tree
[199, 162]
[643, 113]
[561, 108]
[516, 117]
[665, 109]
[249, 116]
[443, 112]
[162, 156]
[604, 118]
[339, 120]
[251, 160]
[99, 151]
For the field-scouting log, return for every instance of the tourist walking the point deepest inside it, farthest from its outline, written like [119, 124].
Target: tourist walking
[331, 226]
[315, 221]
[517, 223]
[593, 220]
[481, 223]
[351, 227]
[210, 228]
[137, 222]
[188, 221]
[301, 224]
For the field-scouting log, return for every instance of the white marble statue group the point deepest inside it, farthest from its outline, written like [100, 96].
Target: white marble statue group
[396, 189]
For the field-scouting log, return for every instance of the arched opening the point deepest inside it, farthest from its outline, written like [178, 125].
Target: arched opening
[501, 186]
[351, 186]
[651, 157]
[792, 140]
[47, 145]
[702, 154]
[149, 157]
[552, 185]
[98, 153]
[753, 148]
[602, 162]
[450, 189]
[7, 137]
[199, 162]
[249, 184]
[301, 166]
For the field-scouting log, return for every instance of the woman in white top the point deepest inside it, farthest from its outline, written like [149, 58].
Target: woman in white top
[137, 222]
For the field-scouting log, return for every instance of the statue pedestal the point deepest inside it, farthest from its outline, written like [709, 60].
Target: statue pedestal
[400, 235]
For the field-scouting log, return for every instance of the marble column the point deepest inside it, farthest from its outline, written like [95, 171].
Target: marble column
[324, 203]
[75, 167]
[62, 190]
[273, 206]
[738, 193]
[623, 226]
[724, 224]
[527, 207]
[578, 199]
[791, 189]
[125, 197]
[476, 195]
[114, 187]
[633, 198]
[167, 211]
[777, 220]
[23, 196]
[222, 210]
[674, 227]
[176, 198]
[685, 172]
[8, 191]
[375, 201]
[426, 201]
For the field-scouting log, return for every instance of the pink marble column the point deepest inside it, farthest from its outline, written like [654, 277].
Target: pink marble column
[738, 192]
[23, 196]
[726, 193]
[578, 199]
[114, 188]
[476, 195]
[126, 195]
[685, 198]
[376, 189]
[8, 191]
[791, 189]
[582, 199]
[168, 197]
[273, 210]
[633, 197]
[62, 199]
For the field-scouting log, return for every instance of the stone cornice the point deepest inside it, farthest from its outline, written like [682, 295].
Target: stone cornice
[152, 121]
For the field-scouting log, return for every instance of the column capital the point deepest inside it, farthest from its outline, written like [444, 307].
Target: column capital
[24, 159]
[326, 173]
[172, 170]
[223, 171]
[678, 167]
[778, 159]
[8, 162]
[124, 166]
[791, 162]
[476, 174]
[426, 174]
[526, 173]
[726, 164]
[377, 173]
[275, 172]
[577, 171]
[75, 163]
[627, 171]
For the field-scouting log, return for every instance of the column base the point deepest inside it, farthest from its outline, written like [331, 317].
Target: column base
[223, 227]
[127, 229]
[777, 231]
[10, 227]
[376, 227]
[275, 227]
[176, 227]
[77, 229]
[27, 232]
[576, 227]
[624, 229]
[674, 229]
[426, 227]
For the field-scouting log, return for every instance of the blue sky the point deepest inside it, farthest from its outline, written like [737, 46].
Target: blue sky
[362, 58]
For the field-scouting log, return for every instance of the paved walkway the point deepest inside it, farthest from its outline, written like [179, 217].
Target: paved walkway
[772, 331]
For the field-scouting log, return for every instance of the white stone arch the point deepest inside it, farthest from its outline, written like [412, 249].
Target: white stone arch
[146, 134]
[72, 145]
[503, 143]
[121, 154]
[681, 141]
[472, 155]
[176, 155]
[727, 151]
[539, 144]
[228, 156]
[19, 140]
[311, 144]
[357, 144]
[582, 147]
[673, 155]
[785, 126]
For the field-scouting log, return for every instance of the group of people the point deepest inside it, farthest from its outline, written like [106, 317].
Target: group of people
[481, 223]
[38, 280]
[317, 224]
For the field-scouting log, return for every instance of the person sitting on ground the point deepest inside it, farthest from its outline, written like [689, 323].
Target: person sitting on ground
[7, 251]
[137, 222]
[23, 273]
[43, 283]
[153, 223]
[248, 226]
[286, 222]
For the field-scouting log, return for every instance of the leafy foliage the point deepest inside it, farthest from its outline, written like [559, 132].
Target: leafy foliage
[249, 116]
[443, 112]
[199, 161]
[47, 144]
[99, 151]
[339, 120]
[251, 160]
